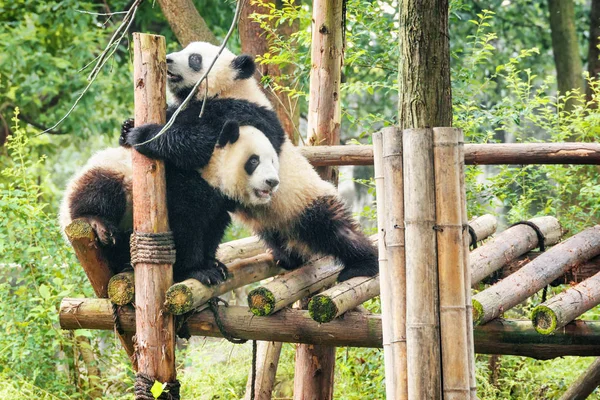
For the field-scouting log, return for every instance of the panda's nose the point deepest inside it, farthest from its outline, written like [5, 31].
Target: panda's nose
[272, 182]
[169, 60]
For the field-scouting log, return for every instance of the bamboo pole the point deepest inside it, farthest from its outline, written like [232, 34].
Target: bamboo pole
[356, 329]
[190, 294]
[267, 356]
[475, 154]
[155, 330]
[292, 286]
[585, 384]
[509, 292]
[422, 302]
[83, 239]
[566, 306]
[121, 288]
[450, 248]
[510, 244]
[346, 296]
[482, 227]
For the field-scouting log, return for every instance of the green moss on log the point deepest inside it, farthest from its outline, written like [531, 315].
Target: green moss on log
[322, 309]
[79, 229]
[544, 319]
[477, 312]
[261, 301]
[179, 299]
[121, 289]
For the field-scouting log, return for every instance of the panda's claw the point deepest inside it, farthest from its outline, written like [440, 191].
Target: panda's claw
[126, 128]
[104, 231]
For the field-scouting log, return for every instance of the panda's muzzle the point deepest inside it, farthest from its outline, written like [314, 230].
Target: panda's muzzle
[173, 77]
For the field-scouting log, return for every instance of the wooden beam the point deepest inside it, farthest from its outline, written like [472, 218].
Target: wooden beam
[475, 154]
[355, 329]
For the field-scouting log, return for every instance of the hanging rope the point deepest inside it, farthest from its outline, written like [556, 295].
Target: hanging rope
[473, 235]
[116, 321]
[152, 248]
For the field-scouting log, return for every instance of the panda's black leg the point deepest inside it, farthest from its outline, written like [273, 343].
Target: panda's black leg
[211, 243]
[285, 258]
[327, 227]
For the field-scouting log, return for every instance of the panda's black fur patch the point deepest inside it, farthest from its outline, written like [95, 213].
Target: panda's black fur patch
[244, 65]
[190, 142]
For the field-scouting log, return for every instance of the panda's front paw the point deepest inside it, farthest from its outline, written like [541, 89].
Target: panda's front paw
[140, 138]
[126, 128]
[214, 273]
[106, 233]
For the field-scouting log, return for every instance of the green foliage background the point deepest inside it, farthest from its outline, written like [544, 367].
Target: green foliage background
[503, 90]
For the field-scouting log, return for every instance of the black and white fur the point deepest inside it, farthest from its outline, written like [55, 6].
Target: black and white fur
[101, 192]
[305, 215]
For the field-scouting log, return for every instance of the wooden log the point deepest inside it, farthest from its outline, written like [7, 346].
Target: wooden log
[510, 244]
[238, 249]
[450, 247]
[121, 288]
[422, 302]
[267, 360]
[475, 154]
[482, 227]
[509, 292]
[343, 297]
[566, 306]
[155, 330]
[356, 329]
[83, 239]
[575, 275]
[292, 286]
[585, 384]
[190, 294]
[393, 286]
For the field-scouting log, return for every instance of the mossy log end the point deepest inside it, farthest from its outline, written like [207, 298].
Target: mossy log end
[286, 289]
[191, 294]
[121, 288]
[343, 297]
[511, 337]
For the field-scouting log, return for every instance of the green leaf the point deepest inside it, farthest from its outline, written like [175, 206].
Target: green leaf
[44, 291]
[157, 389]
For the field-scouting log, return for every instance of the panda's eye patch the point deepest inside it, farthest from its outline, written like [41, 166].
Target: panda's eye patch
[195, 62]
[251, 164]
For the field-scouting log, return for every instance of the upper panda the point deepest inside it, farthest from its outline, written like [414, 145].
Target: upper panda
[101, 192]
[305, 216]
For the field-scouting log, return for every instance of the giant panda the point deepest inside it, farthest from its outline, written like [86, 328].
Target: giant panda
[303, 217]
[101, 192]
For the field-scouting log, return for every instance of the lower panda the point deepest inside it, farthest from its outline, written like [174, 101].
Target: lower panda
[304, 216]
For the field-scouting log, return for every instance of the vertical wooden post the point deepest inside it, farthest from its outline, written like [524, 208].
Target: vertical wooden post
[315, 364]
[390, 217]
[467, 269]
[154, 325]
[425, 100]
[267, 359]
[453, 330]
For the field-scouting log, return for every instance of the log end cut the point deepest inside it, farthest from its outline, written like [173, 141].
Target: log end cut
[544, 319]
[261, 301]
[121, 288]
[179, 299]
[79, 229]
[322, 309]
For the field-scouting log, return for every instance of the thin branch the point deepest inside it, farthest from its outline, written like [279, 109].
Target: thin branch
[104, 57]
[183, 105]
[101, 14]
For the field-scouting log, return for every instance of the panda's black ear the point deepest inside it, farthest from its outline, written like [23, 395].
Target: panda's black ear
[229, 134]
[244, 65]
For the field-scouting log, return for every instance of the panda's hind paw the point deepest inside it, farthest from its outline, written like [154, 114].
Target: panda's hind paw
[215, 273]
[105, 232]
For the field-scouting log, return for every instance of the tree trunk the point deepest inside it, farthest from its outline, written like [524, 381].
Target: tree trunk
[569, 68]
[594, 42]
[255, 41]
[186, 22]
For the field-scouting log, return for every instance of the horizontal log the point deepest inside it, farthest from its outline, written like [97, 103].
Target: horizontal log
[475, 154]
[356, 329]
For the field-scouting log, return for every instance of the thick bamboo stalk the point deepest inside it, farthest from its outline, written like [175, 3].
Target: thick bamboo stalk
[475, 154]
[343, 297]
[121, 288]
[510, 244]
[190, 294]
[155, 330]
[585, 384]
[287, 288]
[356, 329]
[565, 307]
[482, 227]
[393, 284]
[267, 356]
[422, 302]
[95, 266]
[509, 292]
[450, 248]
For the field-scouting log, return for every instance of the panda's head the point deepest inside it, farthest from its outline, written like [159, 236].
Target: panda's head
[230, 77]
[248, 165]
